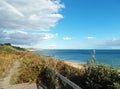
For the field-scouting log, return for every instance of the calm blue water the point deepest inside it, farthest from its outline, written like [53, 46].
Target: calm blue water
[111, 57]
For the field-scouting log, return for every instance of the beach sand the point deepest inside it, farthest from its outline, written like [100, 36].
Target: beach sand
[74, 64]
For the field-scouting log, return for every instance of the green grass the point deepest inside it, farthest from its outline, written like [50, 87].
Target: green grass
[33, 67]
[8, 55]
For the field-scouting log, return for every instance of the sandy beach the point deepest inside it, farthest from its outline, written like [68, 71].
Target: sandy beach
[74, 64]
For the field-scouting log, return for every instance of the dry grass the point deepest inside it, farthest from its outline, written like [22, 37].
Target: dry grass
[6, 61]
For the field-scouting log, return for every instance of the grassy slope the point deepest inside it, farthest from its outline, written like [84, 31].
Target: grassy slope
[9, 48]
[8, 54]
[34, 66]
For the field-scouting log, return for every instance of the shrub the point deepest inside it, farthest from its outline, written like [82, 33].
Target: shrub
[99, 76]
[48, 78]
[93, 76]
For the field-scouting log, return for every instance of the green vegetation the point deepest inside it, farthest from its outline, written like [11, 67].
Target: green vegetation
[100, 76]
[8, 55]
[33, 68]
[7, 47]
[6, 61]
[93, 76]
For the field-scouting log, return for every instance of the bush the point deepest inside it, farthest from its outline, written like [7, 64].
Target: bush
[93, 76]
[100, 76]
[48, 78]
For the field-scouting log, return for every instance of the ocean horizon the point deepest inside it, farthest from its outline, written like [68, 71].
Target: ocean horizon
[105, 56]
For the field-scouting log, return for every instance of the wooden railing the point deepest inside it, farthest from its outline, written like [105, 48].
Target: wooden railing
[68, 81]
[64, 79]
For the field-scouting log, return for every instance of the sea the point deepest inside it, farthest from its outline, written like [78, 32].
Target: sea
[110, 57]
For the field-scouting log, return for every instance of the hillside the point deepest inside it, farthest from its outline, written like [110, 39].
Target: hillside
[7, 47]
[8, 55]
[35, 68]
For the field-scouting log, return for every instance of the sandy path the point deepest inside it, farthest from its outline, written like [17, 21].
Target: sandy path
[6, 85]
[6, 80]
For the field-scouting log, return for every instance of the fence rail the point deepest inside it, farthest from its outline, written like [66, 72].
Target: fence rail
[70, 83]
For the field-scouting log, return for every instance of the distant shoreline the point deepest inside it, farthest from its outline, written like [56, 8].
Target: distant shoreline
[74, 64]
[110, 57]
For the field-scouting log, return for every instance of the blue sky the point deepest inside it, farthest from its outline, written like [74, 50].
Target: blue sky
[66, 24]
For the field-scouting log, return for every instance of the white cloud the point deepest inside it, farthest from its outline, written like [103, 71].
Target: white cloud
[12, 8]
[111, 43]
[67, 38]
[24, 38]
[49, 36]
[29, 14]
[99, 43]
[52, 45]
[106, 43]
[90, 37]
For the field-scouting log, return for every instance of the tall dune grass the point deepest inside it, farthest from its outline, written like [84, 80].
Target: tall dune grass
[6, 62]
[33, 68]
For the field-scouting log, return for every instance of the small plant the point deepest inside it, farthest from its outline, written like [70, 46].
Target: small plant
[48, 78]
[116, 85]
[100, 76]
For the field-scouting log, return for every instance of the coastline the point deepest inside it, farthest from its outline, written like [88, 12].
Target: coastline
[82, 56]
[79, 65]
[74, 64]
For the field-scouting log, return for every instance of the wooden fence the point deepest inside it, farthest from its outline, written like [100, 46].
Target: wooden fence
[70, 83]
